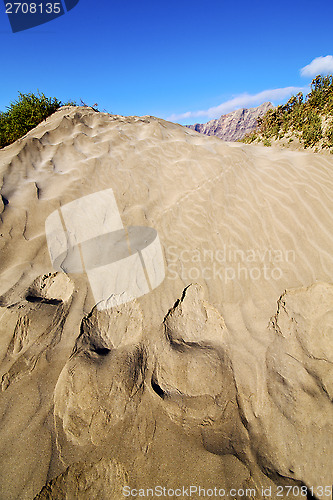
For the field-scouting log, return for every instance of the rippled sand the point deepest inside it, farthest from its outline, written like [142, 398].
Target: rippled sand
[217, 377]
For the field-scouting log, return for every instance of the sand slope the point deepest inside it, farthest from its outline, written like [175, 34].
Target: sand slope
[218, 377]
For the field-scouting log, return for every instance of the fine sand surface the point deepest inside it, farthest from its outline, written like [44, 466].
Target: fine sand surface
[222, 376]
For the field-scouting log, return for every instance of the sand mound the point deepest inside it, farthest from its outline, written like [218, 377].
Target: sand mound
[209, 379]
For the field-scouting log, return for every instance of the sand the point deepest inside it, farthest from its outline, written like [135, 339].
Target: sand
[221, 376]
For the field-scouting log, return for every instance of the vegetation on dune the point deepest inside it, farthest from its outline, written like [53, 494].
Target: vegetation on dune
[24, 114]
[308, 118]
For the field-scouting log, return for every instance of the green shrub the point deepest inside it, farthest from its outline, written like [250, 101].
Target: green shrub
[25, 114]
[312, 131]
[321, 95]
[329, 135]
[249, 138]
[300, 116]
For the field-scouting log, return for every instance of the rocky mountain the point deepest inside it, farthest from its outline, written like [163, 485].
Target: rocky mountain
[235, 125]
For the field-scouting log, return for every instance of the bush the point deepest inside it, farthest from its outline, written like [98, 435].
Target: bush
[312, 131]
[25, 114]
[329, 135]
[249, 138]
[302, 116]
[321, 95]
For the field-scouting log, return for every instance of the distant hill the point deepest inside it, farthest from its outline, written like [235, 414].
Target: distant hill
[235, 125]
[303, 122]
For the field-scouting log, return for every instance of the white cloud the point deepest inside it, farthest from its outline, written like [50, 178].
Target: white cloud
[241, 101]
[319, 66]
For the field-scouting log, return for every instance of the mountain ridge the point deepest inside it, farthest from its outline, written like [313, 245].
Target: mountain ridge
[235, 125]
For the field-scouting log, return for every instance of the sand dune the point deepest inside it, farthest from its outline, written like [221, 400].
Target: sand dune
[220, 376]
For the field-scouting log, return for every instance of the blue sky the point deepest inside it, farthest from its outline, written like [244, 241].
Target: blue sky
[188, 61]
